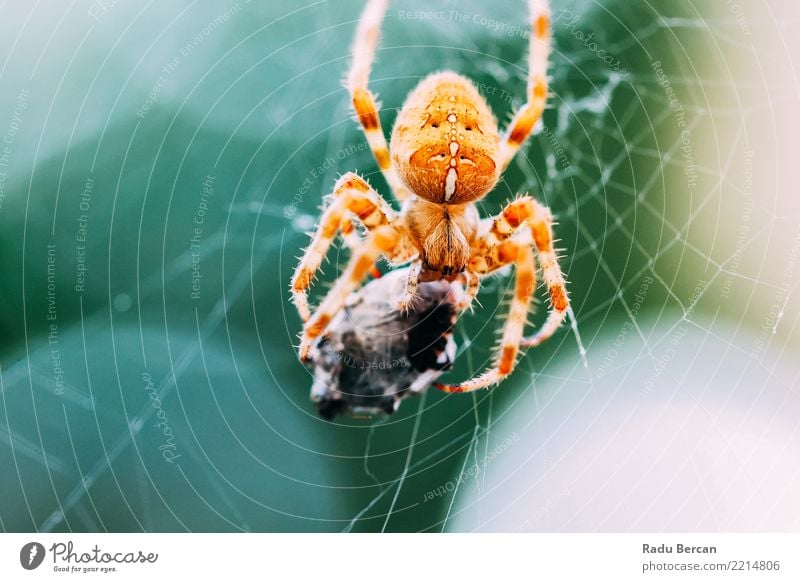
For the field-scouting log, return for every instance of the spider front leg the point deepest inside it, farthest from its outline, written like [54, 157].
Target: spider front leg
[529, 114]
[382, 240]
[500, 250]
[363, 100]
[406, 300]
[352, 197]
[521, 254]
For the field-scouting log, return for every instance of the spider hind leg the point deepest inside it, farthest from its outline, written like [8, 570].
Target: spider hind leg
[506, 359]
[501, 249]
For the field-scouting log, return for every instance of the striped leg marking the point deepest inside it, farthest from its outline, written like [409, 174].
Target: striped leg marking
[529, 212]
[382, 240]
[352, 198]
[529, 114]
[524, 287]
[501, 250]
[363, 100]
[472, 284]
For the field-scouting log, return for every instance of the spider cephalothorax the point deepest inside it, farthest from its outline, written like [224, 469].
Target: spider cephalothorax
[446, 153]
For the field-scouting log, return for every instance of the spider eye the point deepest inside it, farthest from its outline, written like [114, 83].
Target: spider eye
[435, 125]
[468, 128]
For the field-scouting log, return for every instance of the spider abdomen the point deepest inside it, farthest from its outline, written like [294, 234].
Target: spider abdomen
[445, 142]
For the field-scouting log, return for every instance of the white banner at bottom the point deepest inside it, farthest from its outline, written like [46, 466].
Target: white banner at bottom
[400, 557]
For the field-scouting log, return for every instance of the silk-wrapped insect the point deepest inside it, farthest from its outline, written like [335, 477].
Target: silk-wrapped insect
[373, 355]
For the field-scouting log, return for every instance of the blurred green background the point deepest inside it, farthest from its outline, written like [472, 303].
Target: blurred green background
[161, 146]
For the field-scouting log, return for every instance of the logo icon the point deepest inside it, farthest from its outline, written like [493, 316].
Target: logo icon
[31, 555]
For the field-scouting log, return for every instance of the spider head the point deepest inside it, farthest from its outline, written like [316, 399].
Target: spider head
[445, 142]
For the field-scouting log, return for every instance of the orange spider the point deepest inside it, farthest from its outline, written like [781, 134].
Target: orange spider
[446, 154]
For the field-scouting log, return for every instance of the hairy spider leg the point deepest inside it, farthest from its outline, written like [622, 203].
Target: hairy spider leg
[521, 254]
[352, 197]
[364, 103]
[523, 212]
[381, 241]
[406, 300]
[529, 114]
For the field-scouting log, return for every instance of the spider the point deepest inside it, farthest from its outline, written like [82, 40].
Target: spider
[446, 154]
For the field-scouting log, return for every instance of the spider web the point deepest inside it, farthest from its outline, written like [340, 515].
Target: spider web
[606, 159]
[596, 180]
